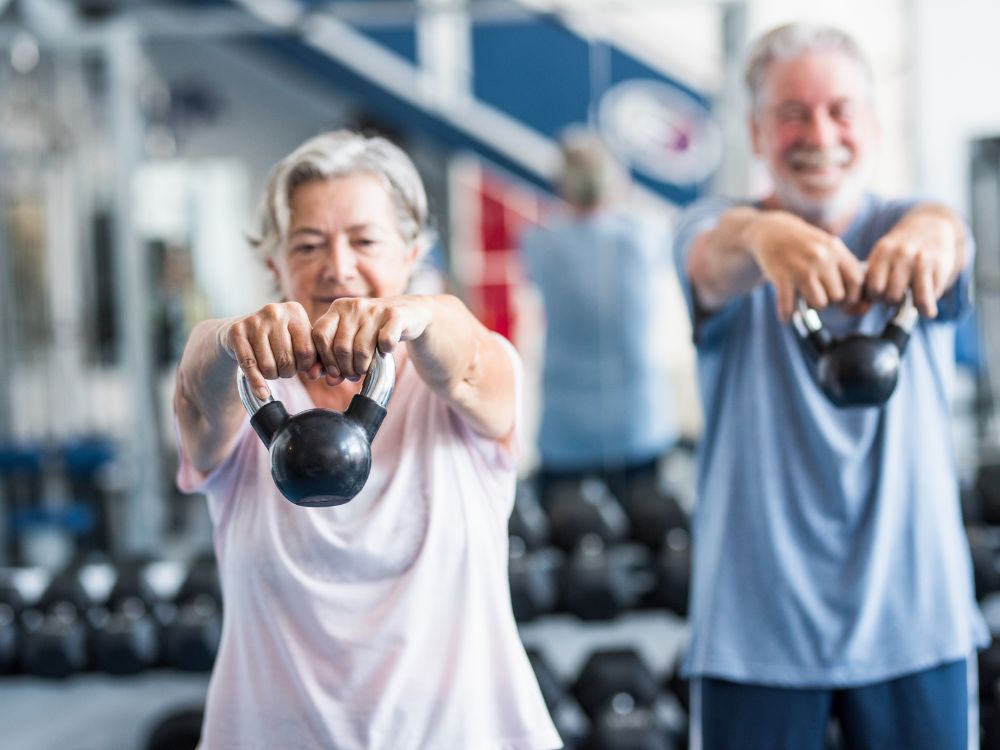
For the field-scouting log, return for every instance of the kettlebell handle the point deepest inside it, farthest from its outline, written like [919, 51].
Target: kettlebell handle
[809, 325]
[380, 381]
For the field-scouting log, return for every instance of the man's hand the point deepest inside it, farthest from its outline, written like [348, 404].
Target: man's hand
[925, 251]
[800, 259]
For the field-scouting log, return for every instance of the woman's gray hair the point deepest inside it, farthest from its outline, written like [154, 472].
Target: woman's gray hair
[338, 154]
[589, 174]
[795, 39]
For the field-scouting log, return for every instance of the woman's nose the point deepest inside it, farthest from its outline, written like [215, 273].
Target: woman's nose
[341, 261]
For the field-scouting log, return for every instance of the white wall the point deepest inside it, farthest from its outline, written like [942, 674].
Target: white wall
[957, 47]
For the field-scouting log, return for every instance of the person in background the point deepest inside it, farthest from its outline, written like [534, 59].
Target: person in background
[607, 407]
[385, 622]
[831, 570]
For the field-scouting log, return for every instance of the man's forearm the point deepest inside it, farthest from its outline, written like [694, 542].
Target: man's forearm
[721, 264]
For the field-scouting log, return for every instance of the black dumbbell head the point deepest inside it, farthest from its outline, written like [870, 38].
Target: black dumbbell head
[610, 674]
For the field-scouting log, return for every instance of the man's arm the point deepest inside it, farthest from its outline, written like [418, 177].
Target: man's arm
[749, 246]
[925, 250]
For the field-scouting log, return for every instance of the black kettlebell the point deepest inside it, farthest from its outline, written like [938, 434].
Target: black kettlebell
[856, 370]
[322, 457]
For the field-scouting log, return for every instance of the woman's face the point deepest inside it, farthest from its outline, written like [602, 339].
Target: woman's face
[343, 241]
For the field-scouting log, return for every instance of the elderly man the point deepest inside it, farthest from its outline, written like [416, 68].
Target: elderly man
[832, 575]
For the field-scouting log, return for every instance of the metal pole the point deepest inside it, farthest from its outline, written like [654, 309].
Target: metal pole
[141, 445]
[733, 177]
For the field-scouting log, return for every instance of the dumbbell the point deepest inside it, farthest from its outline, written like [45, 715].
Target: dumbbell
[192, 632]
[672, 568]
[55, 628]
[651, 512]
[583, 508]
[678, 685]
[11, 606]
[180, 730]
[126, 631]
[986, 494]
[527, 519]
[619, 694]
[989, 672]
[566, 714]
[532, 579]
[599, 583]
[984, 546]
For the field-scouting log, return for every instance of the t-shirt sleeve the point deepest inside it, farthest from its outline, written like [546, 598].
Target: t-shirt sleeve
[703, 216]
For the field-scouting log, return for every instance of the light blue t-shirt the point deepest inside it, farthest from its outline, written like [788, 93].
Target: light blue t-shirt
[829, 547]
[605, 402]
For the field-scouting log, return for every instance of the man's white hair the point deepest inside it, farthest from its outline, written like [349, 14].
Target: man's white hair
[795, 39]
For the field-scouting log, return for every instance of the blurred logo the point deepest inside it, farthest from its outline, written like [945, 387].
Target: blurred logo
[660, 132]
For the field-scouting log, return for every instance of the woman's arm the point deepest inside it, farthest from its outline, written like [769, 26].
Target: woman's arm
[453, 352]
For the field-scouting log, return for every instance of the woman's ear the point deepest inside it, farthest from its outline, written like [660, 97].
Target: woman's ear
[275, 276]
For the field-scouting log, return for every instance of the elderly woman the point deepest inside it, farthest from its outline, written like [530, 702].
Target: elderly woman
[385, 622]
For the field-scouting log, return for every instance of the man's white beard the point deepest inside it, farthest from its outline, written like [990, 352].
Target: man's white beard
[832, 209]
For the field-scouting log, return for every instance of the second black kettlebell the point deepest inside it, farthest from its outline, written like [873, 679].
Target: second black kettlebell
[856, 370]
[322, 457]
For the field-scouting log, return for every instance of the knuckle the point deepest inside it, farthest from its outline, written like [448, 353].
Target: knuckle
[247, 363]
[342, 351]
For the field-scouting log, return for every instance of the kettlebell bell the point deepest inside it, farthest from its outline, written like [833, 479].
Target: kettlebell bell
[856, 369]
[322, 457]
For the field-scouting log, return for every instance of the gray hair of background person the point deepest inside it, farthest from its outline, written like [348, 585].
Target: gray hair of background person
[335, 154]
[589, 175]
[795, 39]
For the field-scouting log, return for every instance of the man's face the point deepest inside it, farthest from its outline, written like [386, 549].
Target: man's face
[815, 127]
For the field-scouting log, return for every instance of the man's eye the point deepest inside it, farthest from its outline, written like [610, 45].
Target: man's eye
[305, 248]
[363, 242]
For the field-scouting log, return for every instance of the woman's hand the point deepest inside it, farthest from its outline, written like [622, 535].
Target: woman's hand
[274, 342]
[347, 336]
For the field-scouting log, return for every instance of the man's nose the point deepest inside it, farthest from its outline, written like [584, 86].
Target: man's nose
[821, 130]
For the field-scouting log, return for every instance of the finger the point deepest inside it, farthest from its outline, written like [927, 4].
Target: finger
[785, 291]
[247, 360]
[923, 289]
[365, 342]
[280, 341]
[833, 284]
[343, 347]
[878, 271]
[942, 278]
[323, 331]
[391, 332]
[814, 294]
[900, 278]
[303, 348]
[852, 274]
